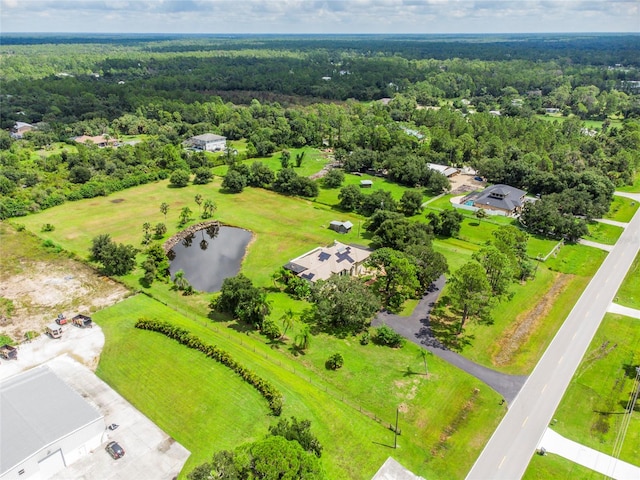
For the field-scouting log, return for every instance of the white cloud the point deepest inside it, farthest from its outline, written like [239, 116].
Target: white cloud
[320, 16]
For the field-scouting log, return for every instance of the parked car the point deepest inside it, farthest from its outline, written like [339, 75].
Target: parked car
[115, 450]
[8, 352]
[54, 330]
[61, 320]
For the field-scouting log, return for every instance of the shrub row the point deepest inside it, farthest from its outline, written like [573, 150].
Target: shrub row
[268, 391]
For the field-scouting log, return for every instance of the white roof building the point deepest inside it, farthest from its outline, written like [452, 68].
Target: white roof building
[45, 425]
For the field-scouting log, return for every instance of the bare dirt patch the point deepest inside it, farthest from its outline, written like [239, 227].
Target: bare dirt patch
[461, 184]
[40, 284]
[526, 323]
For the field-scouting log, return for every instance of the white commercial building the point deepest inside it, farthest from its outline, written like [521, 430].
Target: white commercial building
[45, 425]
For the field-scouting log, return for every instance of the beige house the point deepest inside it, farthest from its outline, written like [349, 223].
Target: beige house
[99, 140]
[336, 259]
[20, 128]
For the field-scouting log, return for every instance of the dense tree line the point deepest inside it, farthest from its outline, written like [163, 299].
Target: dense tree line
[572, 168]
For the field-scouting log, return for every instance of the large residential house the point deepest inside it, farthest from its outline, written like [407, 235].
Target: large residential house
[20, 128]
[208, 142]
[99, 140]
[499, 198]
[336, 259]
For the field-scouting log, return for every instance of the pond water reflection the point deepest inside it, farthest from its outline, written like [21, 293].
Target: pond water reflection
[209, 256]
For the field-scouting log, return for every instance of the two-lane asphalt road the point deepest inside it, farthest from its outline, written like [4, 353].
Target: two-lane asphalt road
[509, 450]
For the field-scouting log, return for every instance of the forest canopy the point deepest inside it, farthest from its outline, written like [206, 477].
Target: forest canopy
[388, 104]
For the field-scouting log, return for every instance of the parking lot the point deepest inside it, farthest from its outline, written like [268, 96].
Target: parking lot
[150, 453]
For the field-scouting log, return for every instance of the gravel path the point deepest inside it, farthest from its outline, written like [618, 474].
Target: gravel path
[415, 328]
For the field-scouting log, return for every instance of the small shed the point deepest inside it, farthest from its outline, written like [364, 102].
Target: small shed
[341, 227]
[366, 183]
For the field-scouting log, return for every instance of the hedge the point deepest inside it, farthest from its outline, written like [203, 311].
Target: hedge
[268, 391]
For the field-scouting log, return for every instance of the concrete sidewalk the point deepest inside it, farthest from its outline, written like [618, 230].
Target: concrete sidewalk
[611, 222]
[626, 311]
[601, 246]
[602, 463]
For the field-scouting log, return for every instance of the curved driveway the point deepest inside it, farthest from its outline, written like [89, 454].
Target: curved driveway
[415, 328]
[509, 450]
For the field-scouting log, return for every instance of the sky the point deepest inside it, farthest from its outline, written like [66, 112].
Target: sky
[319, 16]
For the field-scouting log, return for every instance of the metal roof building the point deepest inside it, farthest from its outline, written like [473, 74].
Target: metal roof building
[45, 425]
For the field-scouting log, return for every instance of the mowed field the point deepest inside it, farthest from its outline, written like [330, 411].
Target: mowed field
[445, 418]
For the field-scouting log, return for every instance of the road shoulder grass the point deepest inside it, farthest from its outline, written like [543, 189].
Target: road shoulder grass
[593, 406]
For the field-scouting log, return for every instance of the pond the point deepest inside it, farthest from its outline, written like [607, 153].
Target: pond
[210, 255]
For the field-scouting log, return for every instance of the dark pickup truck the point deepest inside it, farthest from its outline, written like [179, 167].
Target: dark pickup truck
[8, 352]
[82, 321]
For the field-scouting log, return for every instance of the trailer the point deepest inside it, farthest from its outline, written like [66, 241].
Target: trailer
[54, 330]
[8, 352]
[82, 321]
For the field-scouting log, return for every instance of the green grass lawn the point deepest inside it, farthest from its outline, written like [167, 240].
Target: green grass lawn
[206, 408]
[329, 196]
[603, 383]
[283, 227]
[312, 162]
[553, 467]
[604, 233]
[629, 292]
[622, 209]
[537, 310]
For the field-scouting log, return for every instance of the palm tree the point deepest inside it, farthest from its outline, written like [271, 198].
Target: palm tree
[146, 226]
[164, 208]
[185, 215]
[423, 354]
[180, 281]
[304, 338]
[480, 214]
[198, 199]
[209, 208]
[287, 320]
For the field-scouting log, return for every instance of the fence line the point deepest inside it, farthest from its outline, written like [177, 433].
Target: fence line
[334, 394]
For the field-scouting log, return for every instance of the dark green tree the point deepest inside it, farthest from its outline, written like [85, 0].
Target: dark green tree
[333, 178]
[234, 181]
[343, 304]
[350, 198]
[179, 178]
[411, 202]
[470, 294]
[396, 276]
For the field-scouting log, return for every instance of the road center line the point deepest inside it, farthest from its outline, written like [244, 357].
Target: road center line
[544, 388]
[525, 422]
[503, 459]
[560, 361]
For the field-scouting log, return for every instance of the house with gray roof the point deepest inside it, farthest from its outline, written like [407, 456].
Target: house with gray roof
[208, 142]
[500, 198]
[336, 259]
[45, 425]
